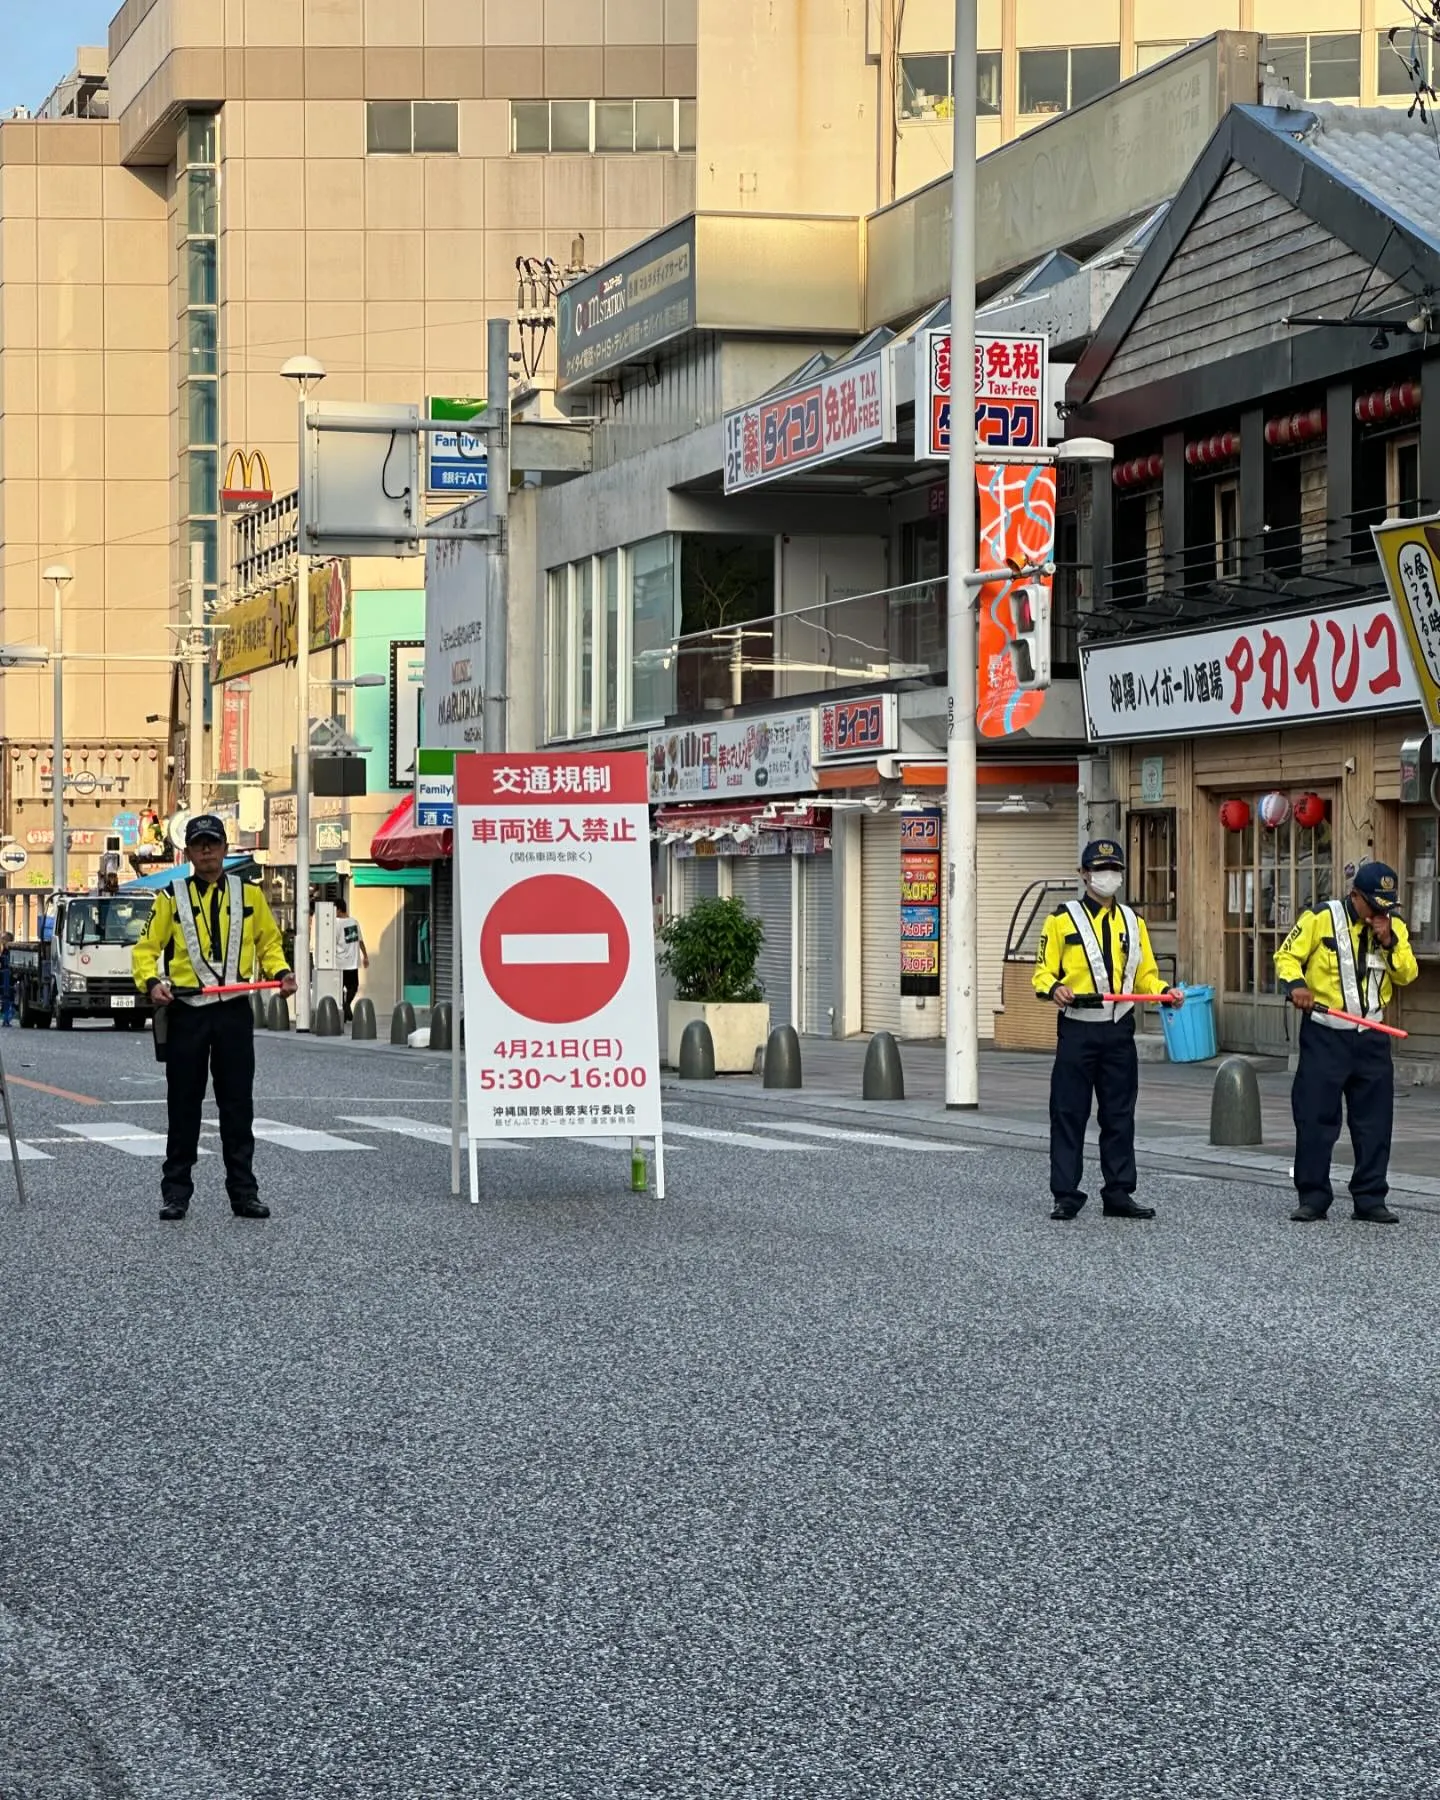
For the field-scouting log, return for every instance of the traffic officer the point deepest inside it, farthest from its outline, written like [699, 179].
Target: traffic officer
[1093, 946]
[209, 930]
[1348, 955]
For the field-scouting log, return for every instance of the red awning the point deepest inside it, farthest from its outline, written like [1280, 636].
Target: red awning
[400, 843]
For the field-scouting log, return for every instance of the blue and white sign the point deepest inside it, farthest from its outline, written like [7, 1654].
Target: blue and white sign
[435, 790]
[458, 459]
[128, 825]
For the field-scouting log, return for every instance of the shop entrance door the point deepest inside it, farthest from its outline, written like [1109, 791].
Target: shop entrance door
[1270, 877]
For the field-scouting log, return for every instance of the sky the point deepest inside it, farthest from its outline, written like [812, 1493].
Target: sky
[38, 39]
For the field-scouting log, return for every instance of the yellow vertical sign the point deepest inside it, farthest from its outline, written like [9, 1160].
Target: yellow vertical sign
[1410, 556]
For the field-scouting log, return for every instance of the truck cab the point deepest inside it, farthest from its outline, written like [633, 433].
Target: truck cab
[79, 968]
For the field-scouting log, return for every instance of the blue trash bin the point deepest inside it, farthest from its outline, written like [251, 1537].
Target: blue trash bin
[1190, 1029]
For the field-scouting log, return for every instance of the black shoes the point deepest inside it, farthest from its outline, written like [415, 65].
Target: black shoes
[174, 1209]
[1127, 1209]
[1062, 1211]
[1306, 1215]
[250, 1209]
[1377, 1215]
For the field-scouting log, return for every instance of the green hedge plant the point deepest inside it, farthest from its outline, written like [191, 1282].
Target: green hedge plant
[711, 954]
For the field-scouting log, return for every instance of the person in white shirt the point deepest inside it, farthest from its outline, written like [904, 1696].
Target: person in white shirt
[350, 954]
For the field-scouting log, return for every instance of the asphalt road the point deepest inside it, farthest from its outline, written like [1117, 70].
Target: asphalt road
[840, 1473]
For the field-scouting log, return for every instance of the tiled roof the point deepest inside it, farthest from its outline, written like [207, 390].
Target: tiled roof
[1392, 160]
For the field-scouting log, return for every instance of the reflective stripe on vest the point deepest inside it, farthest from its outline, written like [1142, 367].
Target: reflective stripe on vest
[1095, 956]
[205, 972]
[1350, 976]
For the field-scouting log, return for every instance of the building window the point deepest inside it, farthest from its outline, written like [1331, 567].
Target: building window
[1227, 531]
[1394, 63]
[1323, 66]
[1052, 81]
[610, 629]
[1422, 880]
[412, 127]
[601, 127]
[1147, 55]
[1152, 882]
[927, 90]
[1402, 476]
[197, 220]
[1271, 877]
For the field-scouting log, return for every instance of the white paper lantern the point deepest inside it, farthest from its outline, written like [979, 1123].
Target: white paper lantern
[1274, 810]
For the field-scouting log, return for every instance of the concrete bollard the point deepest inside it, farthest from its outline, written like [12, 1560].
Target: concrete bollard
[697, 1052]
[402, 1023]
[277, 1013]
[883, 1079]
[1235, 1104]
[362, 1023]
[328, 1020]
[782, 1058]
[257, 1009]
[440, 1017]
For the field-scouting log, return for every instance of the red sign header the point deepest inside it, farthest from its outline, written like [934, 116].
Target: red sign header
[558, 778]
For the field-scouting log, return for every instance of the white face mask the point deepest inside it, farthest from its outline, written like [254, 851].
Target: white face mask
[1107, 883]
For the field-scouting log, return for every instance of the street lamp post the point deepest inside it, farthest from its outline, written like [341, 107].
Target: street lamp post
[962, 1040]
[305, 372]
[59, 577]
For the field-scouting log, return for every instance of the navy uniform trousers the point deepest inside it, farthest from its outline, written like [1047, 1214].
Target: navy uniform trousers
[1093, 1063]
[205, 1042]
[1353, 1071]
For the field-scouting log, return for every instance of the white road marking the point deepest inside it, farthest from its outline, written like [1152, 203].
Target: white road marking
[421, 1130]
[883, 1140]
[547, 947]
[743, 1140]
[301, 1138]
[28, 1152]
[132, 1140]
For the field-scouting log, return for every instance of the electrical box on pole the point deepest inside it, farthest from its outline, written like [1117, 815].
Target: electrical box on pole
[360, 480]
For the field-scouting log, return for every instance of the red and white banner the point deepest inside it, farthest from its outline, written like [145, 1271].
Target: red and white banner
[1009, 393]
[552, 854]
[847, 408]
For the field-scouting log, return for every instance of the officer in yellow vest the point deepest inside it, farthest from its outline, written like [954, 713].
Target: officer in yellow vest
[1346, 956]
[1094, 946]
[210, 930]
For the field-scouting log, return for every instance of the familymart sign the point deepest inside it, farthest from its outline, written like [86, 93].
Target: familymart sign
[435, 790]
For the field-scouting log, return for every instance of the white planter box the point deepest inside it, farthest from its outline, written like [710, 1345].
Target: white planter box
[738, 1032]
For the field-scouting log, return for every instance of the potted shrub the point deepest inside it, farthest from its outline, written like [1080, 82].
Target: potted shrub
[711, 954]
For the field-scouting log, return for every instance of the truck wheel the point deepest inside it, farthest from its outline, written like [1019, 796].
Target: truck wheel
[64, 1021]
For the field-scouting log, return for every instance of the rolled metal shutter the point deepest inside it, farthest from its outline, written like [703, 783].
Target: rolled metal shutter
[880, 924]
[764, 884]
[1011, 853]
[442, 919]
[817, 924]
[699, 880]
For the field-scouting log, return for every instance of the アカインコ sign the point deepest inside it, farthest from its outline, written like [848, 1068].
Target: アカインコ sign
[1351, 659]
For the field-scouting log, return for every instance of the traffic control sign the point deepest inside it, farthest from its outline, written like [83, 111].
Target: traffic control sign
[555, 949]
[13, 858]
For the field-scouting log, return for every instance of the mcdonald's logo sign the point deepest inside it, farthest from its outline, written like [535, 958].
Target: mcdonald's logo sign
[247, 481]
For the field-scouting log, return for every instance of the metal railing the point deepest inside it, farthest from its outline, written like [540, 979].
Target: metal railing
[892, 635]
[263, 546]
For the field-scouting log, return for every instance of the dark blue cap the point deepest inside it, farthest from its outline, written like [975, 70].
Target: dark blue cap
[204, 825]
[1380, 885]
[1102, 853]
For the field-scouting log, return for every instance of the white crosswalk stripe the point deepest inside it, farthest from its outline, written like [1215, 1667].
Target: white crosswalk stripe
[743, 1140]
[302, 1138]
[880, 1139]
[420, 1129]
[131, 1140]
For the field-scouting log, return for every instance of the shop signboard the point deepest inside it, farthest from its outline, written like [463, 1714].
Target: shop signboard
[553, 863]
[1410, 556]
[1017, 528]
[771, 755]
[851, 729]
[407, 698]
[435, 790]
[458, 460]
[1010, 379]
[1348, 660]
[457, 596]
[848, 408]
[628, 308]
[264, 630]
[920, 844]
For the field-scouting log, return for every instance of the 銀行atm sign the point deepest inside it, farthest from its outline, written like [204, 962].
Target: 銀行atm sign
[1010, 375]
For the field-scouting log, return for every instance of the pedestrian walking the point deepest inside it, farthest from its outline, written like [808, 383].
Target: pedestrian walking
[7, 979]
[1346, 956]
[350, 953]
[208, 930]
[1091, 947]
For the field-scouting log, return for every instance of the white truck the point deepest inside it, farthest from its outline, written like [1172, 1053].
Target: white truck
[79, 965]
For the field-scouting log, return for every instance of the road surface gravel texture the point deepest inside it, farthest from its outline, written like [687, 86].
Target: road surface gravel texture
[841, 1474]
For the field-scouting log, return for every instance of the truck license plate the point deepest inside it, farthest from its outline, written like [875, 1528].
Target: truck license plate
[122, 1000]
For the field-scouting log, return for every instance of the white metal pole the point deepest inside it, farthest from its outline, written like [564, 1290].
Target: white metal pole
[497, 410]
[59, 858]
[302, 784]
[962, 1046]
[457, 1016]
[195, 656]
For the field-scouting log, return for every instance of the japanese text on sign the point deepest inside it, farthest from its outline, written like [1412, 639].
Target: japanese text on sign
[1408, 551]
[920, 904]
[858, 727]
[848, 409]
[1009, 393]
[1347, 660]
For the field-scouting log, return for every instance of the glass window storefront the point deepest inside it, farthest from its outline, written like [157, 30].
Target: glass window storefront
[609, 634]
[1271, 877]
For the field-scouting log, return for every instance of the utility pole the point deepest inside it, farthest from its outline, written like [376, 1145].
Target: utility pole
[497, 485]
[59, 576]
[302, 774]
[196, 657]
[962, 1043]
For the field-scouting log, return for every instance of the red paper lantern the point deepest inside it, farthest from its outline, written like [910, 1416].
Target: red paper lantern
[1235, 815]
[1309, 811]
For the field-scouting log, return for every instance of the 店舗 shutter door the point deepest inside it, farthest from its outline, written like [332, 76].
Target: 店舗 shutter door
[699, 880]
[763, 883]
[1012, 852]
[817, 917]
[442, 892]
[880, 924]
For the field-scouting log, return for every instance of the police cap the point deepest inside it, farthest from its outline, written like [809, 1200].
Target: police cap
[204, 825]
[1102, 853]
[1379, 884]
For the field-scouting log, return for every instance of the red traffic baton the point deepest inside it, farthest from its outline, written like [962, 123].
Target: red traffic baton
[242, 987]
[1334, 1012]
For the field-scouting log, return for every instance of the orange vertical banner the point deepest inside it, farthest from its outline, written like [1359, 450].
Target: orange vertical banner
[1017, 525]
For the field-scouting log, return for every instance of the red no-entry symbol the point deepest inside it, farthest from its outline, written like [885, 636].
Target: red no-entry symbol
[555, 949]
